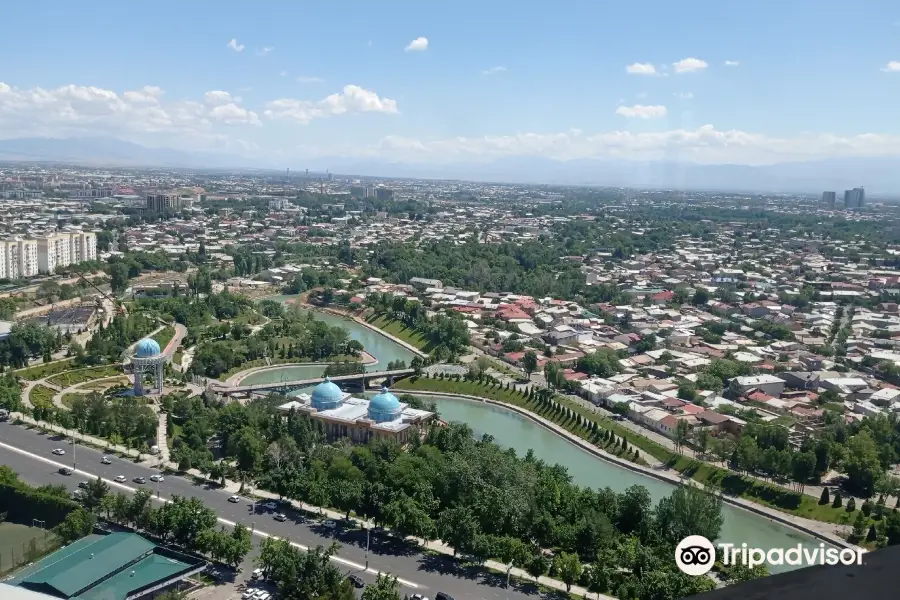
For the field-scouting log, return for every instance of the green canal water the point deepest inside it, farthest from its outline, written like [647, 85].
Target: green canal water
[511, 430]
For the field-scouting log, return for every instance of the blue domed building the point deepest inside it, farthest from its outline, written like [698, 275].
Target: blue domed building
[147, 359]
[327, 396]
[384, 407]
[343, 416]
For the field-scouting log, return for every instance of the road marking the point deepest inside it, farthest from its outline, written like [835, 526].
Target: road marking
[255, 531]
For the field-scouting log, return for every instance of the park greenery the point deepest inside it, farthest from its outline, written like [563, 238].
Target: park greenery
[27, 341]
[485, 502]
[446, 335]
[290, 335]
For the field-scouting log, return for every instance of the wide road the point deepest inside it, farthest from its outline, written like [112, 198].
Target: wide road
[29, 453]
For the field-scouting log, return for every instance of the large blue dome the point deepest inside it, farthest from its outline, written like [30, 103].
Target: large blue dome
[327, 395]
[146, 348]
[384, 407]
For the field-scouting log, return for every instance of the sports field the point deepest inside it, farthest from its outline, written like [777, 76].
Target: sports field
[21, 544]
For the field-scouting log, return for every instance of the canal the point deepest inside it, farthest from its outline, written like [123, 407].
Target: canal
[512, 430]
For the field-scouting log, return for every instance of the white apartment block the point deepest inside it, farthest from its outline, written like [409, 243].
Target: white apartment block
[64, 249]
[18, 258]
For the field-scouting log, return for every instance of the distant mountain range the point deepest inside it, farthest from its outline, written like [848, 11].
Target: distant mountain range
[878, 175]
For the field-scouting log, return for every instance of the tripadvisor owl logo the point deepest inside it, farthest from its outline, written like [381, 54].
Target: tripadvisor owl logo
[696, 555]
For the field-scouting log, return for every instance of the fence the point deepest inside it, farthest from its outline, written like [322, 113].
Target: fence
[13, 556]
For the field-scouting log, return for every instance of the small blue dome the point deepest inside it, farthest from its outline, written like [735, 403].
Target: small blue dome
[384, 407]
[327, 395]
[146, 348]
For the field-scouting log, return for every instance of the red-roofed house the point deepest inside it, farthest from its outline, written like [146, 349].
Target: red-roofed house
[510, 312]
[692, 409]
[662, 297]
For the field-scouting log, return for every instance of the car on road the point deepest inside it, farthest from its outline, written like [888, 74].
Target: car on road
[65, 471]
[120, 479]
[77, 495]
[329, 524]
[104, 460]
[157, 478]
[419, 597]
[256, 574]
[59, 451]
[442, 596]
[140, 480]
[281, 517]
[234, 499]
[83, 484]
[270, 506]
[356, 580]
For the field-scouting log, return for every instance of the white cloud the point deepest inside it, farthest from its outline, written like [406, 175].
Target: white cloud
[265, 50]
[306, 79]
[352, 99]
[138, 115]
[689, 65]
[642, 112]
[732, 63]
[684, 95]
[419, 44]
[705, 145]
[892, 67]
[233, 44]
[494, 70]
[641, 69]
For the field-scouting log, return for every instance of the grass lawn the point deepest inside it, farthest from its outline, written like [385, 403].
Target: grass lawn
[399, 330]
[67, 399]
[83, 375]
[45, 370]
[177, 357]
[21, 544]
[42, 396]
[164, 337]
[729, 482]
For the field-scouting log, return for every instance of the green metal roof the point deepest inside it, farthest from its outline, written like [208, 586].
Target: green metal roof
[60, 554]
[91, 563]
[145, 572]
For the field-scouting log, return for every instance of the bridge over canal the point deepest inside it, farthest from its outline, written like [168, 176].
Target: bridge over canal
[288, 386]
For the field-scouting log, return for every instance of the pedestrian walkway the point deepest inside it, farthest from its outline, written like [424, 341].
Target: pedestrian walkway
[235, 487]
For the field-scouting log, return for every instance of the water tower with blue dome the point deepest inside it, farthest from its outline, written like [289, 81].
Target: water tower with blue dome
[147, 358]
[384, 407]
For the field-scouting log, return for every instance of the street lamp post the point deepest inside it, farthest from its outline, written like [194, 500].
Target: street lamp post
[368, 537]
[73, 451]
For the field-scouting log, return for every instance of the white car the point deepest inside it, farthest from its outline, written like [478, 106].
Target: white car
[262, 595]
[120, 479]
[281, 517]
[105, 461]
[257, 573]
[234, 499]
[157, 478]
[270, 506]
[59, 451]
[329, 524]
[419, 597]
[249, 593]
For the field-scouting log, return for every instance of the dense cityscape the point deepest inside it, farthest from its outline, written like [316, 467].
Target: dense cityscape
[328, 354]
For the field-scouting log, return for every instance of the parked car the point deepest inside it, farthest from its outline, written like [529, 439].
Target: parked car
[104, 460]
[234, 499]
[77, 495]
[419, 597]
[256, 574]
[157, 478]
[120, 479]
[442, 596]
[59, 451]
[65, 471]
[356, 580]
[140, 480]
[83, 484]
[270, 506]
[281, 517]
[329, 524]
[249, 593]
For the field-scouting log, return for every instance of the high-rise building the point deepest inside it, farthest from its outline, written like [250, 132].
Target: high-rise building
[64, 249]
[19, 258]
[828, 199]
[357, 191]
[162, 202]
[855, 198]
[383, 193]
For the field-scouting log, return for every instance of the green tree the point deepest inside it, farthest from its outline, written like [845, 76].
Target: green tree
[76, 525]
[457, 527]
[384, 588]
[568, 568]
[512, 552]
[529, 363]
[689, 511]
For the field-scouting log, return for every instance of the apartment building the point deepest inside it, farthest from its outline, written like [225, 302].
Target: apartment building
[18, 258]
[64, 249]
[162, 202]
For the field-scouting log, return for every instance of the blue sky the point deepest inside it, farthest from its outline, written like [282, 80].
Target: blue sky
[496, 78]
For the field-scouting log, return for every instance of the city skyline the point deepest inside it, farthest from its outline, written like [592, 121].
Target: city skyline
[416, 84]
